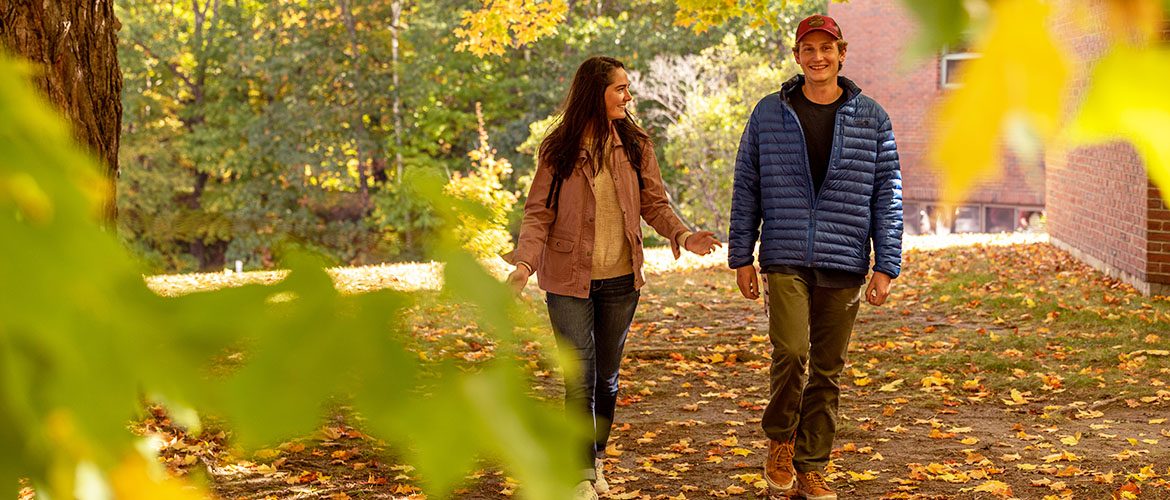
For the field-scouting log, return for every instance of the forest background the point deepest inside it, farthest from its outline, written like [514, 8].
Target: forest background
[247, 124]
[338, 126]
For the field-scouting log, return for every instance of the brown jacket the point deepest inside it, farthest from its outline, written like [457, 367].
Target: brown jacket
[559, 246]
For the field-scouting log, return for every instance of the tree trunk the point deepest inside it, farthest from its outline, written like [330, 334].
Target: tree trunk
[75, 47]
[395, 33]
[361, 137]
[395, 27]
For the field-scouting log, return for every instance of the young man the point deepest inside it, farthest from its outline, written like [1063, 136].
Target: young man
[818, 168]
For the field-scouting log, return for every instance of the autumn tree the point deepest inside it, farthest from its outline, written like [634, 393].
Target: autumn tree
[73, 45]
[702, 101]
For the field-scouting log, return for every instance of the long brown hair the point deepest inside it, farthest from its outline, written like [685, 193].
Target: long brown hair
[584, 110]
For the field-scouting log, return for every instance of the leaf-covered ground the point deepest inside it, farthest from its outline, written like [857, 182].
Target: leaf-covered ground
[997, 370]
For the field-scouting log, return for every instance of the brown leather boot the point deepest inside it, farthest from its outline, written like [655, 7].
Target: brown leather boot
[812, 485]
[778, 470]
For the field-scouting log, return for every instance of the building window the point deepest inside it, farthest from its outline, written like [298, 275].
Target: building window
[953, 58]
[1001, 219]
[967, 220]
[925, 217]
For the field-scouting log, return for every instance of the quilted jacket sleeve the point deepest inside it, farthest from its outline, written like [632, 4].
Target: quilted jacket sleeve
[886, 204]
[744, 229]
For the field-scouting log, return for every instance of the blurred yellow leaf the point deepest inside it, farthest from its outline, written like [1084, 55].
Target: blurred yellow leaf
[133, 480]
[1002, 94]
[1119, 106]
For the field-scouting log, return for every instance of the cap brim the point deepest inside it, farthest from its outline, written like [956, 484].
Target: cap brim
[819, 28]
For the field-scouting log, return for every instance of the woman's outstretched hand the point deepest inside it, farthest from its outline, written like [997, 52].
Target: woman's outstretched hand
[702, 243]
[518, 278]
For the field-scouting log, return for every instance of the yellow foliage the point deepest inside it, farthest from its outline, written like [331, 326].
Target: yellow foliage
[134, 480]
[503, 24]
[1003, 92]
[1125, 101]
[484, 235]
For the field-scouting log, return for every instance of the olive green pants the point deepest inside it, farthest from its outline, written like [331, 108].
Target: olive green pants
[809, 327]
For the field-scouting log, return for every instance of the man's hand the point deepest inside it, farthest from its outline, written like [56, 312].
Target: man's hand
[702, 243]
[749, 283]
[518, 278]
[878, 289]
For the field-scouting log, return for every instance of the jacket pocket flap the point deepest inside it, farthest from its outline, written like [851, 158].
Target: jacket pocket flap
[561, 244]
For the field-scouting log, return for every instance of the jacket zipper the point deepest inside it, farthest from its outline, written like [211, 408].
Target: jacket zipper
[812, 197]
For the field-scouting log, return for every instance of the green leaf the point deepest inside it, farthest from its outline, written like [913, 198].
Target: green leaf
[85, 339]
[941, 23]
[546, 469]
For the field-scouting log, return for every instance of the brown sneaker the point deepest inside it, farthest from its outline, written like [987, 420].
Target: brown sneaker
[812, 486]
[778, 470]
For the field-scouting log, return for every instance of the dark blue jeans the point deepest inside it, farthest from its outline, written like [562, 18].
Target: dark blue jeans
[593, 331]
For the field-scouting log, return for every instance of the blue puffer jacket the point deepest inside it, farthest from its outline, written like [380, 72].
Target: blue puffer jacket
[859, 202]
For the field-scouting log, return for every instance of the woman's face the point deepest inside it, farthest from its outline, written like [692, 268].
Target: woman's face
[617, 94]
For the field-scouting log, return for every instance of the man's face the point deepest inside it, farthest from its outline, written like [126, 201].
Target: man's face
[818, 55]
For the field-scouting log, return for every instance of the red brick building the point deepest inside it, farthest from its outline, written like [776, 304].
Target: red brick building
[1102, 207]
[878, 32]
[1099, 201]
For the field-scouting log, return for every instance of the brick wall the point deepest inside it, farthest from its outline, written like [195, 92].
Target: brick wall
[1101, 205]
[1158, 241]
[878, 32]
[1097, 207]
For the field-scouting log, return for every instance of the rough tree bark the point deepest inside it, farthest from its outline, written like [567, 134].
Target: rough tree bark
[74, 45]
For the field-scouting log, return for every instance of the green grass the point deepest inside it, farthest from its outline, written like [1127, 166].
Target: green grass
[1030, 308]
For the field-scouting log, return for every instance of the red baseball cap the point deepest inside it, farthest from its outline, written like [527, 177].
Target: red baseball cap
[817, 22]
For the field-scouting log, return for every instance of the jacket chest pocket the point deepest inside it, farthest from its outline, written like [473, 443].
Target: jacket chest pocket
[561, 245]
[558, 256]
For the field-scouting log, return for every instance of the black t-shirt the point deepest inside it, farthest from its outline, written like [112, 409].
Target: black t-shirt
[817, 121]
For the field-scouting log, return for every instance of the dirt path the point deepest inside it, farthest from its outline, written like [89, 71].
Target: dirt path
[948, 394]
[699, 387]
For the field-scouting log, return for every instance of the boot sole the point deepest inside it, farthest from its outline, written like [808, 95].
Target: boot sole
[776, 488]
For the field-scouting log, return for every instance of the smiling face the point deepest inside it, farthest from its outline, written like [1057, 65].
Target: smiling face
[819, 56]
[617, 94]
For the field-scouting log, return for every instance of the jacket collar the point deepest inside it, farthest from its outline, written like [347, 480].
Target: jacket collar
[615, 141]
[849, 87]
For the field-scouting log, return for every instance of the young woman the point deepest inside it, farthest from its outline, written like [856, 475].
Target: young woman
[596, 178]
